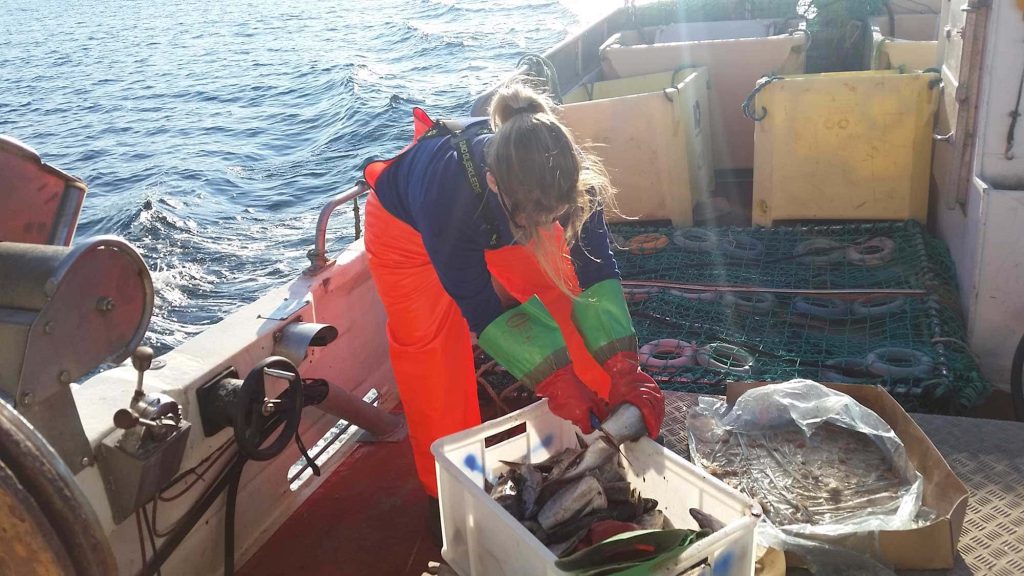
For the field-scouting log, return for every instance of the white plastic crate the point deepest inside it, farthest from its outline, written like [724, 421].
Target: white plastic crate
[482, 539]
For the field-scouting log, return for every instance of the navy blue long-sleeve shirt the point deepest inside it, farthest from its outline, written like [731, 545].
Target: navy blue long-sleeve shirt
[427, 188]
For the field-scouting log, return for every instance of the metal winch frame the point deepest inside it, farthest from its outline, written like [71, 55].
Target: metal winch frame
[64, 312]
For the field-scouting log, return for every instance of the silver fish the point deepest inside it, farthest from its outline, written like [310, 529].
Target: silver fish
[618, 491]
[624, 425]
[706, 521]
[557, 461]
[506, 493]
[531, 481]
[590, 459]
[573, 501]
[653, 520]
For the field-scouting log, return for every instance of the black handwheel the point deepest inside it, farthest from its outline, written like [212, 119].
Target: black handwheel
[254, 411]
[1016, 388]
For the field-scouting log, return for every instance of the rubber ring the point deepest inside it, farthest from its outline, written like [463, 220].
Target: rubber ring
[709, 356]
[821, 307]
[694, 294]
[682, 354]
[913, 364]
[741, 247]
[646, 244]
[695, 239]
[819, 251]
[882, 250]
[753, 302]
[875, 306]
[839, 369]
[639, 294]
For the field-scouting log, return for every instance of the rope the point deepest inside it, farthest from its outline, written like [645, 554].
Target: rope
[748, 104]
[541, 68]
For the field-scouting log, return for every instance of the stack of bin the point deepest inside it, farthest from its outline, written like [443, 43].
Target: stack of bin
[651, 134]
[734, 65]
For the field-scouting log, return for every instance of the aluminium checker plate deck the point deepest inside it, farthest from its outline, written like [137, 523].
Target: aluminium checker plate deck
[987, 455]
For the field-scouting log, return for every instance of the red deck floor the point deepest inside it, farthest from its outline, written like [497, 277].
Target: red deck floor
[369, 517]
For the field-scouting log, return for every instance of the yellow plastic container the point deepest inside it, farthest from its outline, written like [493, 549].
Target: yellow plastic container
[912, 55]
[844, 146]
[651, 133]
[734, 65]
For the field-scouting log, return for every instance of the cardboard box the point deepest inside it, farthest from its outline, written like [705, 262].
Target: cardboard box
[931, 547]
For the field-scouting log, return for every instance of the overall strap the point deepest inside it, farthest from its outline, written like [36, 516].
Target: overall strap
[460, 140]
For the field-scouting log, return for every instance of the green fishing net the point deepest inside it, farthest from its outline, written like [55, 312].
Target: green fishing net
[911, 344]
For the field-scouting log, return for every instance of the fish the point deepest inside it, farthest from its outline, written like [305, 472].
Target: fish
[573, 501]
[564, 548]
[506, 493]
[618, 491]
[529, 489]
[557, 461]
[593, 457]
[567, 530]
[706, 521]
[653, 520]
[626, 424]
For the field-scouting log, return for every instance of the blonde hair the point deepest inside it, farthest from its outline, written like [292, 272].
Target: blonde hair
[542, 173]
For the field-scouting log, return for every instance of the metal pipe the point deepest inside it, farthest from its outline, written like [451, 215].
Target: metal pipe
[355, 411]
[318, 255]
[847, 293]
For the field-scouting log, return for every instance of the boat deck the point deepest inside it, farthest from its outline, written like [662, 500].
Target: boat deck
[359, 523]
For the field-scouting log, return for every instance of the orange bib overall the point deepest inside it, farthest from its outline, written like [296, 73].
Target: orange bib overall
[430, 343]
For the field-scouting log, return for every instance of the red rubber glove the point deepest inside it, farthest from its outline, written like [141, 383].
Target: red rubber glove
[630, 385]
[569, 398]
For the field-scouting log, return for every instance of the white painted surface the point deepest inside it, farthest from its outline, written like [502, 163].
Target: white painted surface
[986, 238]
[997, 321]
[343, 296]
[1004, 58]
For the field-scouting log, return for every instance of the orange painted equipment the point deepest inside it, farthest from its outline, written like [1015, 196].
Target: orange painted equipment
[430, 347]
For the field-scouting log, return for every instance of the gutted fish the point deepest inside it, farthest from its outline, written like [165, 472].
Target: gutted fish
[706, 521]
[506, 493]
[653, 520]
[573, 501]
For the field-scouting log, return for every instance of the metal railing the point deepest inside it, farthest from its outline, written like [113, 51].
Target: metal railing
[318, 259]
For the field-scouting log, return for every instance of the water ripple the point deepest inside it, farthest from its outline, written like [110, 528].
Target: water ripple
[211, 133]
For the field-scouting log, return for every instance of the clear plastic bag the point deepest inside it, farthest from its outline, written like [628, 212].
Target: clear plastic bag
[827, 471]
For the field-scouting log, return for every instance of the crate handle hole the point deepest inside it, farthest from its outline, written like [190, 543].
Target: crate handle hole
[499, 437]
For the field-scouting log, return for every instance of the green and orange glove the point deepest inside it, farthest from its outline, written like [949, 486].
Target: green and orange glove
[527, 341]
[602, 318]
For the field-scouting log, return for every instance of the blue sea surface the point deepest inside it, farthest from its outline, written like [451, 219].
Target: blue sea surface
[211, 133]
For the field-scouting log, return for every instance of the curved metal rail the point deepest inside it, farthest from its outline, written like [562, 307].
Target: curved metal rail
[318, 259]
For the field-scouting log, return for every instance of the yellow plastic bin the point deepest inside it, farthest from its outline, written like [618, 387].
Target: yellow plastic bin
[651, 133]
[734, 65]
[912, 55]
[844, 146]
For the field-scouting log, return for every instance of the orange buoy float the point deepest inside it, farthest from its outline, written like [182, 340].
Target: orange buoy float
[646, 244]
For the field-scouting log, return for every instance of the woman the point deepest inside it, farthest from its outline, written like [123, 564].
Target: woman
[460, 215]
